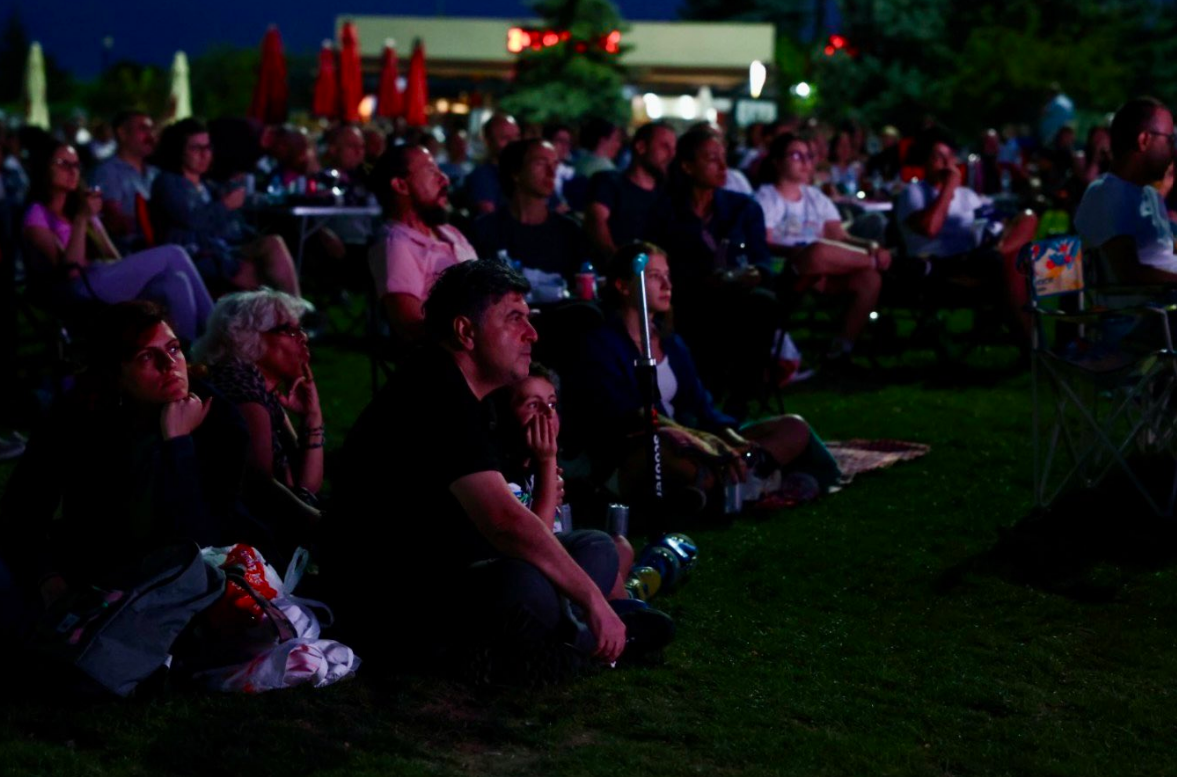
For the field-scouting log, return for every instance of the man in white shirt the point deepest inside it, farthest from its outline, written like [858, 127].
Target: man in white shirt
[938, 223]
[419, 244]
[1121, 216]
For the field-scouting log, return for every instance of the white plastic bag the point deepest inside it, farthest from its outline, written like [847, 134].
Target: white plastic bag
[788, 360]
[275, 664]
[298, 661]
[545, 286]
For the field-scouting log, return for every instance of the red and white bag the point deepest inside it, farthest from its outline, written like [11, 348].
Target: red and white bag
[276, 632]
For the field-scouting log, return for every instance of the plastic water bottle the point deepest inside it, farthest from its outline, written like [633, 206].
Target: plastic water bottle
[643, 583]
[665, 561]
[275, 191]
[686, 550]
[740, 260]
[506, 259]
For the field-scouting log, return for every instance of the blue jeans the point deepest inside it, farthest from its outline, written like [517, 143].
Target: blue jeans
[164, 274]
[498, 591]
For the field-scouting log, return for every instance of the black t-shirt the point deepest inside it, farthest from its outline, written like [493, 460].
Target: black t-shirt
[423, 431]
[692, 244]
[629, 205]
[482, 185]
[557, 245]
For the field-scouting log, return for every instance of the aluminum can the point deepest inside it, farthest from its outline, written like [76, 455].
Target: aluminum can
[733, 499]
[617, 520]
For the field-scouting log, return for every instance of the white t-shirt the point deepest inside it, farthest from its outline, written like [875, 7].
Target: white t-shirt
[737, 182]
[1112, 207]
[667, 385]
[796, 222]
[957, 236]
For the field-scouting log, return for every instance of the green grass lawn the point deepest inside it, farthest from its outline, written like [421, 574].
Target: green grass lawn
[874, 632]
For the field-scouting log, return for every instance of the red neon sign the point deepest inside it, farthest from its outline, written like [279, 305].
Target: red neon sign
[520, 39]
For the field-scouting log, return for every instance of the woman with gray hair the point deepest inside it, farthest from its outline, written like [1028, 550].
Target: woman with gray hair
[257, 356]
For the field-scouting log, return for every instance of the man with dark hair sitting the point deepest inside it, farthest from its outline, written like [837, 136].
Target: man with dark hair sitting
[619, 203]
[601, 140]
[419, 244]
[483, 193]
[434, 530]
[126, 178]
[527, 229]
[937, 218]
[1121, 215]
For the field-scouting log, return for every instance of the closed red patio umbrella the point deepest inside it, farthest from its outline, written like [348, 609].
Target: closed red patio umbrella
[417, 89]
[351, 79]
[390, 102]
[271, 93]
[326, 101]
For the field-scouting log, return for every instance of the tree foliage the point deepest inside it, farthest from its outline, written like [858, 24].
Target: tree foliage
[223, 78]
[559, 83]
[978, 63]
[14, 54]
[127, 85]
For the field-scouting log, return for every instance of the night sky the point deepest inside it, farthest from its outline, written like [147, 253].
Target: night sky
[151, 32]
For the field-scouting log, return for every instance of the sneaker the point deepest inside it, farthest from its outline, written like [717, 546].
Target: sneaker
[625, 606]
[647, 632]
[11, 447]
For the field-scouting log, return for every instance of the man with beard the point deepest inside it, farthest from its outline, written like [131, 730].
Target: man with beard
[528, 229]
[619, 202]
[419, 244]
[1121, 215]
[478, 567]
[126, 178]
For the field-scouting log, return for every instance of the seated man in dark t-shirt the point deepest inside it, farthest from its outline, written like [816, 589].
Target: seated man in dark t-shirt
[527, 229]
[432, 527]
[619, 203]
[481, 190]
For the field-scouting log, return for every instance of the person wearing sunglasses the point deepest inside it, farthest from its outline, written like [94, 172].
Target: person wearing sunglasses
[73, 258]
[257, 355]
[804, 227]
[1121, 215]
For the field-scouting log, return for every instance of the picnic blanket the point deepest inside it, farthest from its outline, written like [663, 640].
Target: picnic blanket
[857, 456]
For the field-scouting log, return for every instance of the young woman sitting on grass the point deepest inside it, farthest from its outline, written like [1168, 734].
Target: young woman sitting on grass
[134, 457]
[529, 426]
[702, 448]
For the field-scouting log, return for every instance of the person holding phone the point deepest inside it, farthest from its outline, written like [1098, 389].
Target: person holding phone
[74, 259]
[206, 218]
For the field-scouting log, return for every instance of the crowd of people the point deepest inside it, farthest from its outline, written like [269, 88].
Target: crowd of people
[454, 475]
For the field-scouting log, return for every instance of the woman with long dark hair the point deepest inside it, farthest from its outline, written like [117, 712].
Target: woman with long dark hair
[75, 259]
[135, 456]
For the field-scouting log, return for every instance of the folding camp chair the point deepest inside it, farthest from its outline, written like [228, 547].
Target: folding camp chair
[1103, 382]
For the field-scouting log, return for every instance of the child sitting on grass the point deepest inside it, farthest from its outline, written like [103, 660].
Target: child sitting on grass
[529, 426]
